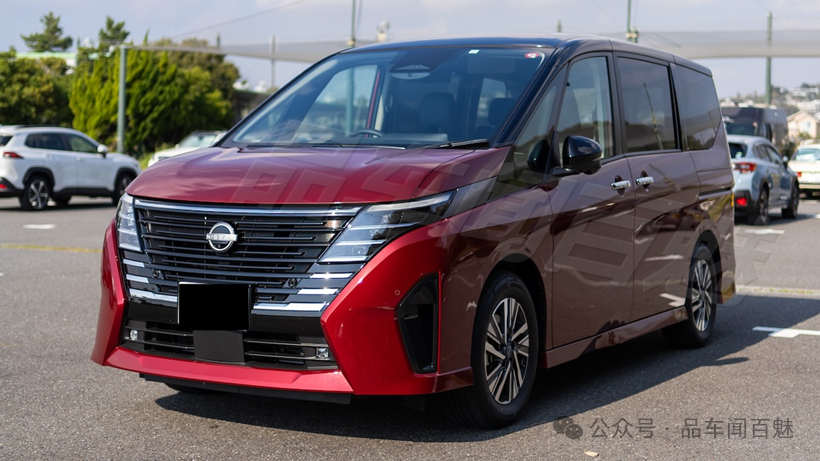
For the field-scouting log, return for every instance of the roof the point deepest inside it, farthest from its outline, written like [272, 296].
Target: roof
[13, 129]
[743, 139]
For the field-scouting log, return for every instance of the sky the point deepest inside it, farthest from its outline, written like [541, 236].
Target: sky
[255, 21]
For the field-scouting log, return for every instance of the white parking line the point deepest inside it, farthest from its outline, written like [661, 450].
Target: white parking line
[786, 332]
[39, 226]
[802, 292]
[765, 231]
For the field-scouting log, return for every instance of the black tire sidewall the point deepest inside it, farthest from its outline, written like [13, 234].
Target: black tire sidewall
[504, 285]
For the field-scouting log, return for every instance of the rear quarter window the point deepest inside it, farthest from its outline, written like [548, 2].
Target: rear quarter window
[4, 139]
[700, 109]
[737, 150]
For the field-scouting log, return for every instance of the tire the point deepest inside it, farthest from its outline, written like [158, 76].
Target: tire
[503, 368]
[790, 212]
[701, 304]
[36, 193]
[759, 216]
[189, 390]
[122, 182]
[61, 201]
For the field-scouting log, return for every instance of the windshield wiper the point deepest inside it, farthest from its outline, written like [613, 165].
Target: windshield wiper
[460, 144]
[297, 145]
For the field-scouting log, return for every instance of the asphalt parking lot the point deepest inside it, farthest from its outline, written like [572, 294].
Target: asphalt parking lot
[751, 394]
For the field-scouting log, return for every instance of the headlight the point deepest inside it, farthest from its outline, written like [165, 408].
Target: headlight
[371, 229]
[127, 224]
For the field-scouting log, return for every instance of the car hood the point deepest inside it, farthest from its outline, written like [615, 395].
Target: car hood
[175, 151]
[313, 176]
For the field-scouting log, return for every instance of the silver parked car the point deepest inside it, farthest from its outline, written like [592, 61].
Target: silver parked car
[763, 180]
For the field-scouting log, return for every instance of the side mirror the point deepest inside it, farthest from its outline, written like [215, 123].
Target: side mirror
[580, 155]
[102, 150]
[785, 159]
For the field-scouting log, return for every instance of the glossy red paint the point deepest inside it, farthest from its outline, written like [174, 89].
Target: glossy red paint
[308, 381]
[112, 299]
[308, 176]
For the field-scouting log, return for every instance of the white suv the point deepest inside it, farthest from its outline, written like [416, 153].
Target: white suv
[42, 163]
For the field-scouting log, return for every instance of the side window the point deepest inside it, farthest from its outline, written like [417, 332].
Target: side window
[586, 109]
[647, 96]
[51, 141]
[699, 109]
[79, 144]
[773, 155]
[760, 153]
[516, 173]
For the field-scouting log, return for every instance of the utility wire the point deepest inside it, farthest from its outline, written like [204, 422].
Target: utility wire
[232, 21]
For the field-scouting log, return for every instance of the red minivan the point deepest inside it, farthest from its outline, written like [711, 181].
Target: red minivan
[430, 217]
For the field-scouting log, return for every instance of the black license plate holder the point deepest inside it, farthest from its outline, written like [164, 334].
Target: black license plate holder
[213, 306]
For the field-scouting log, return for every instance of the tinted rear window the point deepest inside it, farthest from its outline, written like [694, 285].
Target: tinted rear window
[737, 150]
[700, 109]
[4, 139]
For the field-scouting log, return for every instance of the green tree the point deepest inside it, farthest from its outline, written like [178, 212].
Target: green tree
[164, 102]
[223, 74]
[113, 33]
[51, 39]
[33, 92]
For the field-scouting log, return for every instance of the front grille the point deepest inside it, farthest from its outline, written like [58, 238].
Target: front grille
[276, 253]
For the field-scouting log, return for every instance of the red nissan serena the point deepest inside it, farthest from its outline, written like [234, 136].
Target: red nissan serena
[430, 217]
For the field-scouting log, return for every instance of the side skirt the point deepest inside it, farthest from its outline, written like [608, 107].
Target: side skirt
[612, 337]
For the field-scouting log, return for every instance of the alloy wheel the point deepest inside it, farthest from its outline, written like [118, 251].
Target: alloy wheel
[37, 194]
[506, 350]
[702, 295]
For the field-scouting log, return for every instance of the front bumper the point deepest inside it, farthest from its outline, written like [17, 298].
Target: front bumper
[361, 326]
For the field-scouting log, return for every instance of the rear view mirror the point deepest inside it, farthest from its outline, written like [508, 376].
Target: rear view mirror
[580, 155]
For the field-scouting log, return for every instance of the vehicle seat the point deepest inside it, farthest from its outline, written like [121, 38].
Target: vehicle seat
[499, 110]
[437, 113]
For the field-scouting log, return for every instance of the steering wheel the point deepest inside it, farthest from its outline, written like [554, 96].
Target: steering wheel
[365, 131]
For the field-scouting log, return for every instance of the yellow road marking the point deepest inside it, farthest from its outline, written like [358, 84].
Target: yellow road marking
[49, 248]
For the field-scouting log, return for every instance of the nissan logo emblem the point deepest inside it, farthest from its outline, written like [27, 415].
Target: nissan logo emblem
[221, 237]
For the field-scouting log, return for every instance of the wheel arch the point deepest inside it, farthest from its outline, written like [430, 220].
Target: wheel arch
[39, 171]
[120, 172]
[526, 269]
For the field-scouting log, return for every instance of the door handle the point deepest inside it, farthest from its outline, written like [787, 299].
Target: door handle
[644, 180]
[621, 185]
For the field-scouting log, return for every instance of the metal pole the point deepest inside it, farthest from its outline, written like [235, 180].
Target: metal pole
[769, 60]
[274, 48]
[628, 19]
[352, 42]
[121, 102]
[558, 28]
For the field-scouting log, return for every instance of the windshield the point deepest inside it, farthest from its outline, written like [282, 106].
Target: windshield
[198, 140]
[398, 98]
[807, 155]
[737, 150]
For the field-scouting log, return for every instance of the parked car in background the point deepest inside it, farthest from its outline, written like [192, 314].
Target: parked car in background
[763, 180]
[470, 210]
[806, 163]
[39, 163]
[189, 143]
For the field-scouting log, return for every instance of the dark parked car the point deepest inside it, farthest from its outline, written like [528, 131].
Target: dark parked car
[439, 216]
